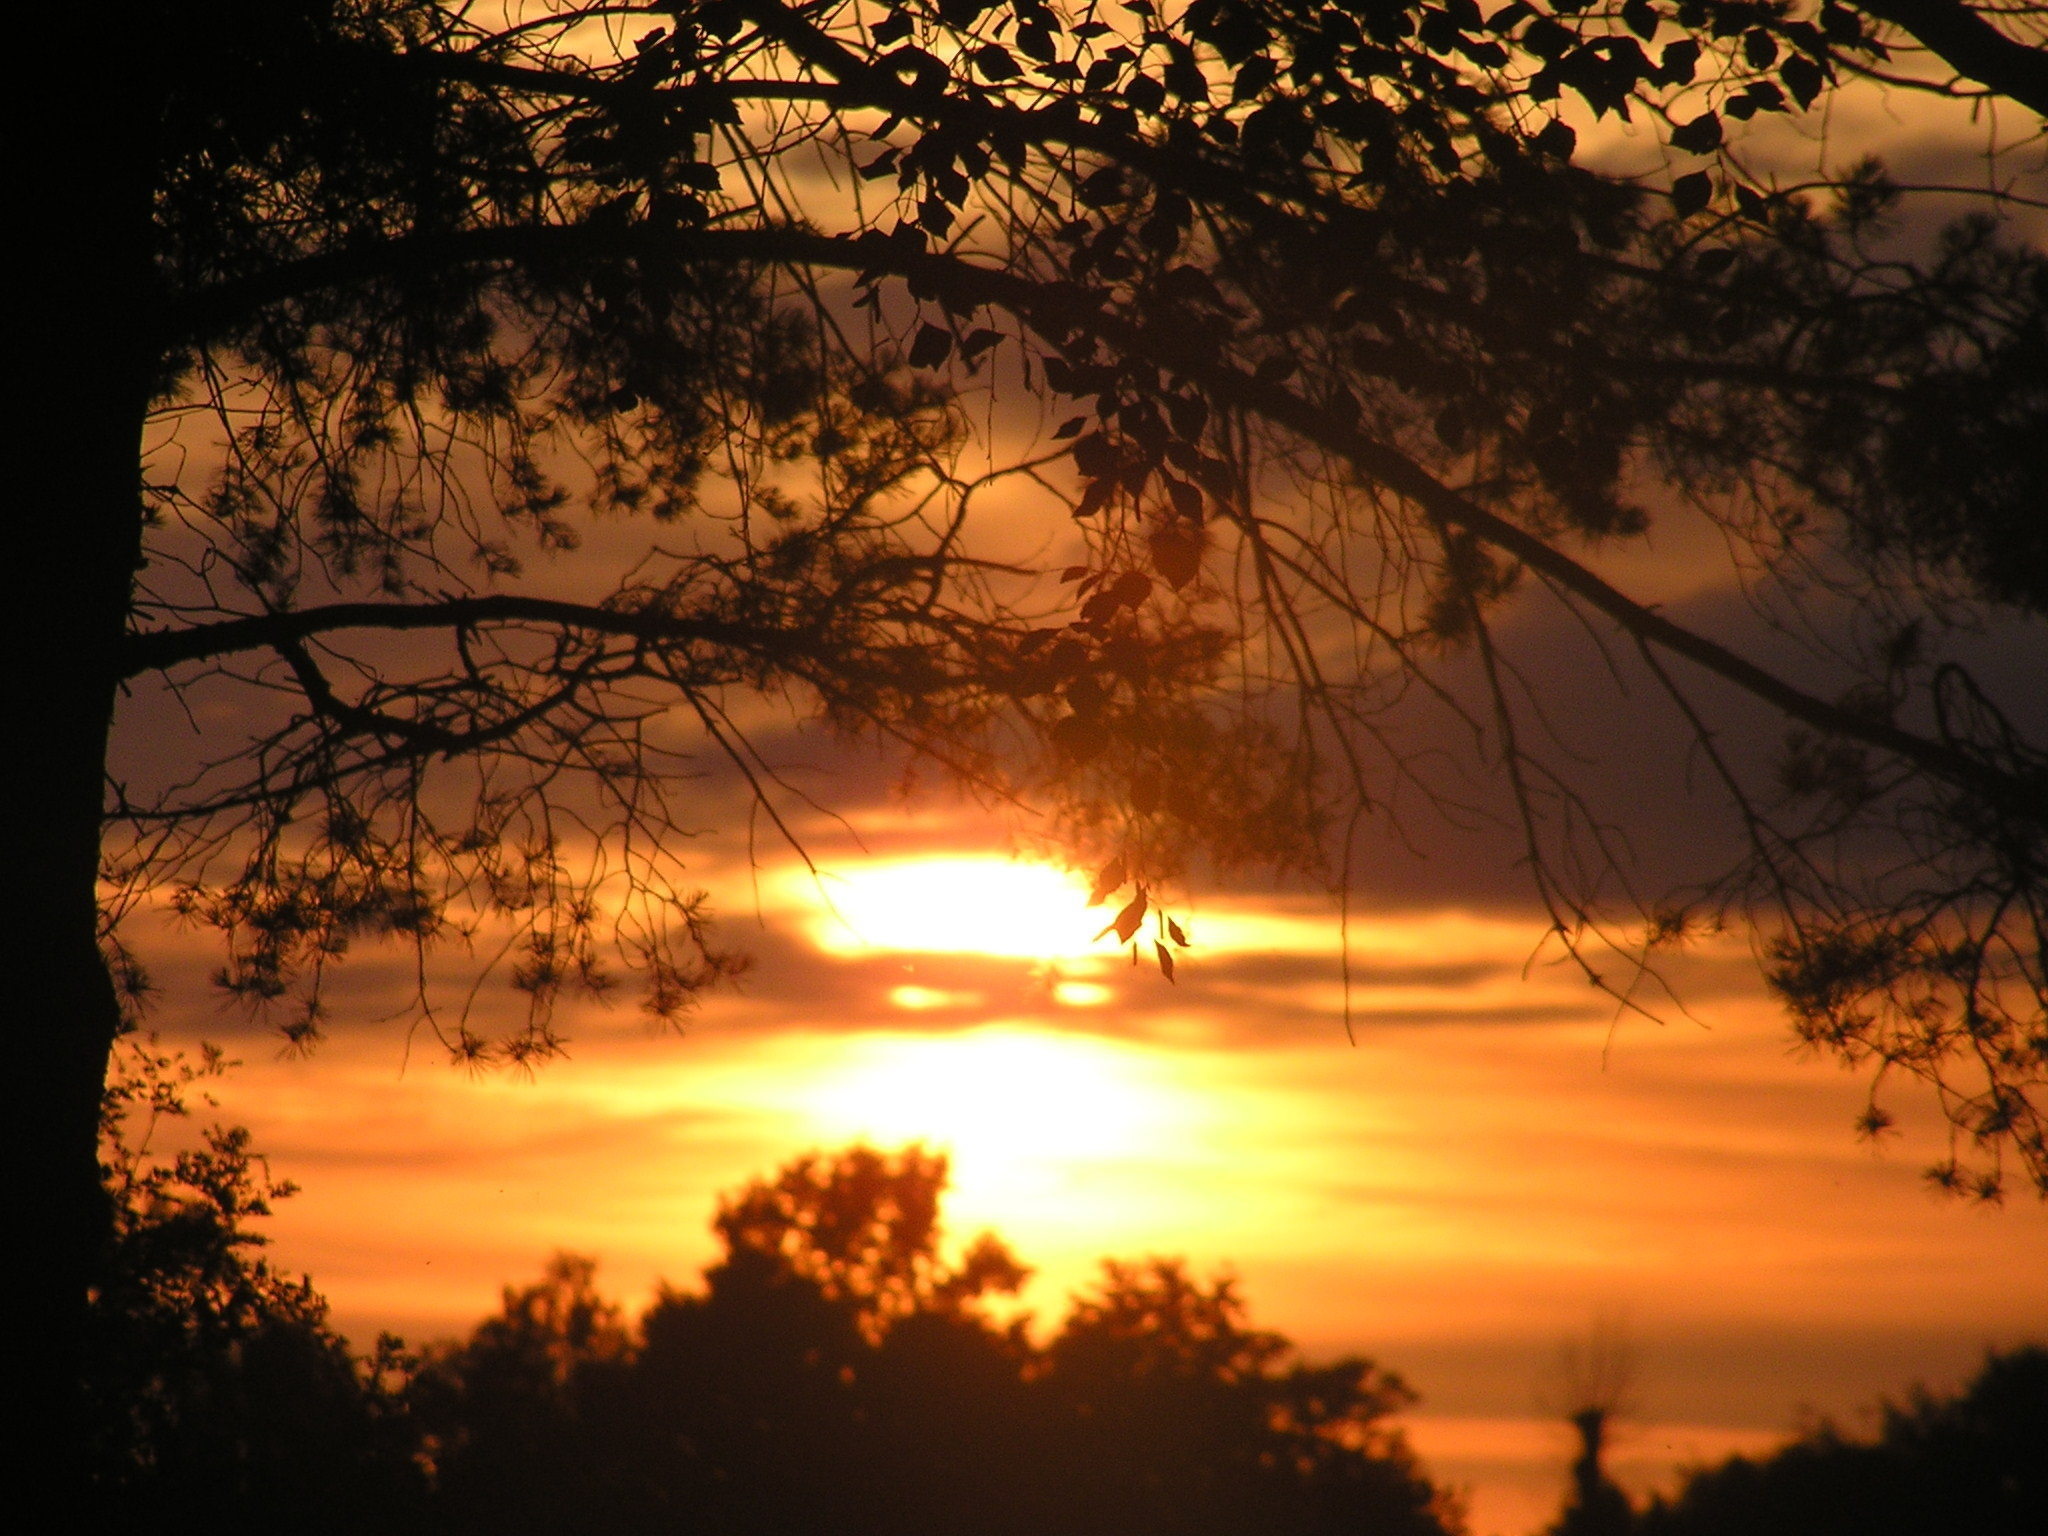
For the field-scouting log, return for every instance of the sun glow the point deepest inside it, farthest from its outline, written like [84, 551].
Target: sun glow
[995, 1094]
[963, 904]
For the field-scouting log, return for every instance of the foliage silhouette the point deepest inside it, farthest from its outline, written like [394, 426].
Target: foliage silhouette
[358, 350]
[219, 1396]
[834, 1373]
[1971, 1462]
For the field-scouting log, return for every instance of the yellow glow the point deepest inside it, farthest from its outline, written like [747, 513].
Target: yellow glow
[918, 999]
[1081, 994]
[950, 905]
[993, 1095]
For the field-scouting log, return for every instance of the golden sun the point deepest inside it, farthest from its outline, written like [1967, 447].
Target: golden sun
[950, 904]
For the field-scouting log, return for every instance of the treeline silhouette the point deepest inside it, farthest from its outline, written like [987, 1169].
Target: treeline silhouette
[834, 1373]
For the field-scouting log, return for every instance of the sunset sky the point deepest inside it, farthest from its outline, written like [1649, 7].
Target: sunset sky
[1493, 1161]
[1499, 1166]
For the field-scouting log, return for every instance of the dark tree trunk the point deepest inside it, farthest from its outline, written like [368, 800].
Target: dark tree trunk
[82, 370]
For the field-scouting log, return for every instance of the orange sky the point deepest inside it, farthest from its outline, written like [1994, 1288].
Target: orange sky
[1495, 1165]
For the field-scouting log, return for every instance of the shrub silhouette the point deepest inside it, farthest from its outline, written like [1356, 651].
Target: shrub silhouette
[1974, 1463]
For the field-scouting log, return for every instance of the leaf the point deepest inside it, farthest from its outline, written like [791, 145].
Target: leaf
[1132, 588]
[1176, 554]
[1760, 48]
[995, 63]
[1073, 573]
[933, 346]
[1108, 880]
[1095, 456]
[1165, 959]
[1125, 924]
[1105, 186]
[1094, 497]
[1146, 93]
[1173, 931]
[1689, 194]
[1803, 78]
[1701, 136]
[1679, 62]
[1035, 39]
[891, 28]
[1641, 17]
[978, 341]
[1071, 427]
[1187, 501]
[1558, 139]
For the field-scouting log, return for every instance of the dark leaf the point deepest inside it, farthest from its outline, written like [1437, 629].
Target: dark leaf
[933, 346]
[1689, 194]
[1679, 61]
[1176, 554]
[1095, 455]
[1125, 924]
[994, 63]
[1701, 136]
[1094, 497]
[1165, 959]
[1035, 39]
[1132, 588]
[1108, 880]
[1803, 78]
[1558, 139]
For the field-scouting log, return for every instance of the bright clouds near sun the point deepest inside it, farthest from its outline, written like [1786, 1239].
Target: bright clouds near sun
[994, 1095]
[961, 904]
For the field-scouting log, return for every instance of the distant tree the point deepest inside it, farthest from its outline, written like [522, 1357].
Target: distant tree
[835, 1373]
[1169, 1414]
[1973, 1462]
[1597, 1505]
[461, 418]
[1597, 1373]
[216, 1393]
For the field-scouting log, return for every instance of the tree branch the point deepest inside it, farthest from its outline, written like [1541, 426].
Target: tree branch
[1058, 311]
[160, 650]
[1959, 36]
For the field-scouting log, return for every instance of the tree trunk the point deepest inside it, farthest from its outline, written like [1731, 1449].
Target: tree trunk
[83, 368]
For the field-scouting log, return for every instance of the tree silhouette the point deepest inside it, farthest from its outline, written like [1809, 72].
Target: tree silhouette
[217, 1394]
[1969, 1462]
[835, 1374]
[463, 419]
